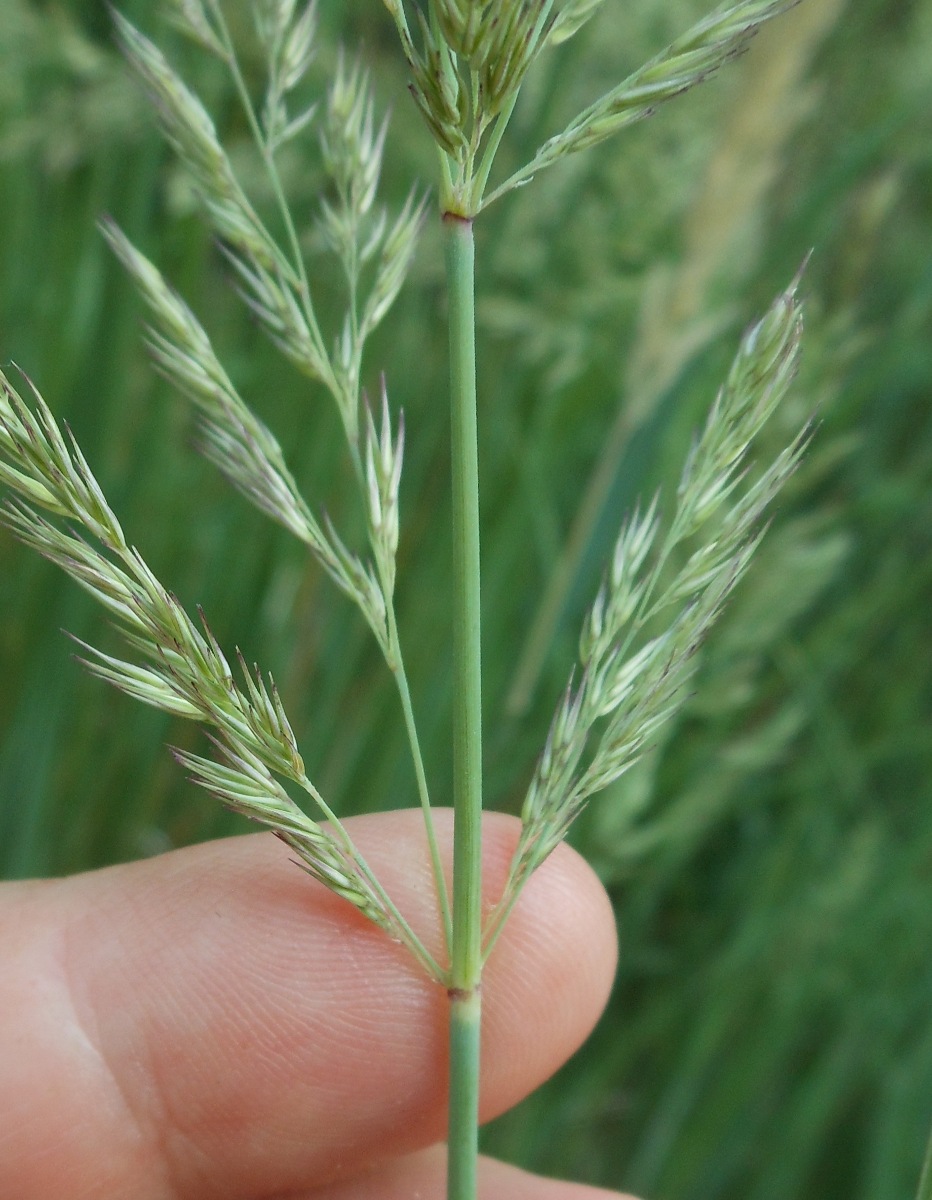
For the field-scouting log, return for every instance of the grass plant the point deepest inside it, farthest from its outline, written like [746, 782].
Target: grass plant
[671, 569]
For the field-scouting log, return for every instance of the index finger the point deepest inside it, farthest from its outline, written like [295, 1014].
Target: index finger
[228, 1028]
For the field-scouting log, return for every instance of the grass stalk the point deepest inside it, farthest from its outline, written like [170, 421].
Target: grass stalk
[466, 951]
[404, 694]
[463, 1139]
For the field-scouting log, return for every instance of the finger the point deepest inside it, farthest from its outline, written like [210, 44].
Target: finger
[212, 1023]
[424, 1175]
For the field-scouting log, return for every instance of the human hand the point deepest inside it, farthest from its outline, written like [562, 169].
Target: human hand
[211, 1023]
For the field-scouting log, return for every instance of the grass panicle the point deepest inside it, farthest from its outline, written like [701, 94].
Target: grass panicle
[189, 128]
[668, 578]
[352, 149]
[473, 59]
[465, 79]
[288, 34]
[182, 670]
[635, 685]
[768, 1033]
[236, 441]
[239, 443]
[375, 252]
[273, 274]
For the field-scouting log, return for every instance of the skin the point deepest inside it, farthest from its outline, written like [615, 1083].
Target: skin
[212, 1023]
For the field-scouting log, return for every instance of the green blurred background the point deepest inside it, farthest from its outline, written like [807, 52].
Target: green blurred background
[770, 1033]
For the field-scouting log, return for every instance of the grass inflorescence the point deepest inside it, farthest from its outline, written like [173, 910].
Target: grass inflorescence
[672, 567]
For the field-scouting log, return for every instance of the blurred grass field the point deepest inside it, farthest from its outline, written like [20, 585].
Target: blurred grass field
[770, 1035]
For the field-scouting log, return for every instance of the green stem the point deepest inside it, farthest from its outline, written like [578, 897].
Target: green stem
[488, 155]
[404, 694]
[466, 951]
[405, 932]
[463, 1141]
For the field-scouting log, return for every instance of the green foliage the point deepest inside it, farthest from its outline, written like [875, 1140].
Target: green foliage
[770, 1033]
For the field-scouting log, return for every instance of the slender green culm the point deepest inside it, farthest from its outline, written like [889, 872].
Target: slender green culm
[676, 559]
[463, 1128]
[467, 676]
[466, 952]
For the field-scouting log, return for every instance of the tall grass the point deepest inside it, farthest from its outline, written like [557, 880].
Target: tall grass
[770, 1032]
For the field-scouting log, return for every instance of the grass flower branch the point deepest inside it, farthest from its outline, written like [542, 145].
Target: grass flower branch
[183, 671]
[688, 61]
[276, 288]
[634, 672]
[239, 444]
